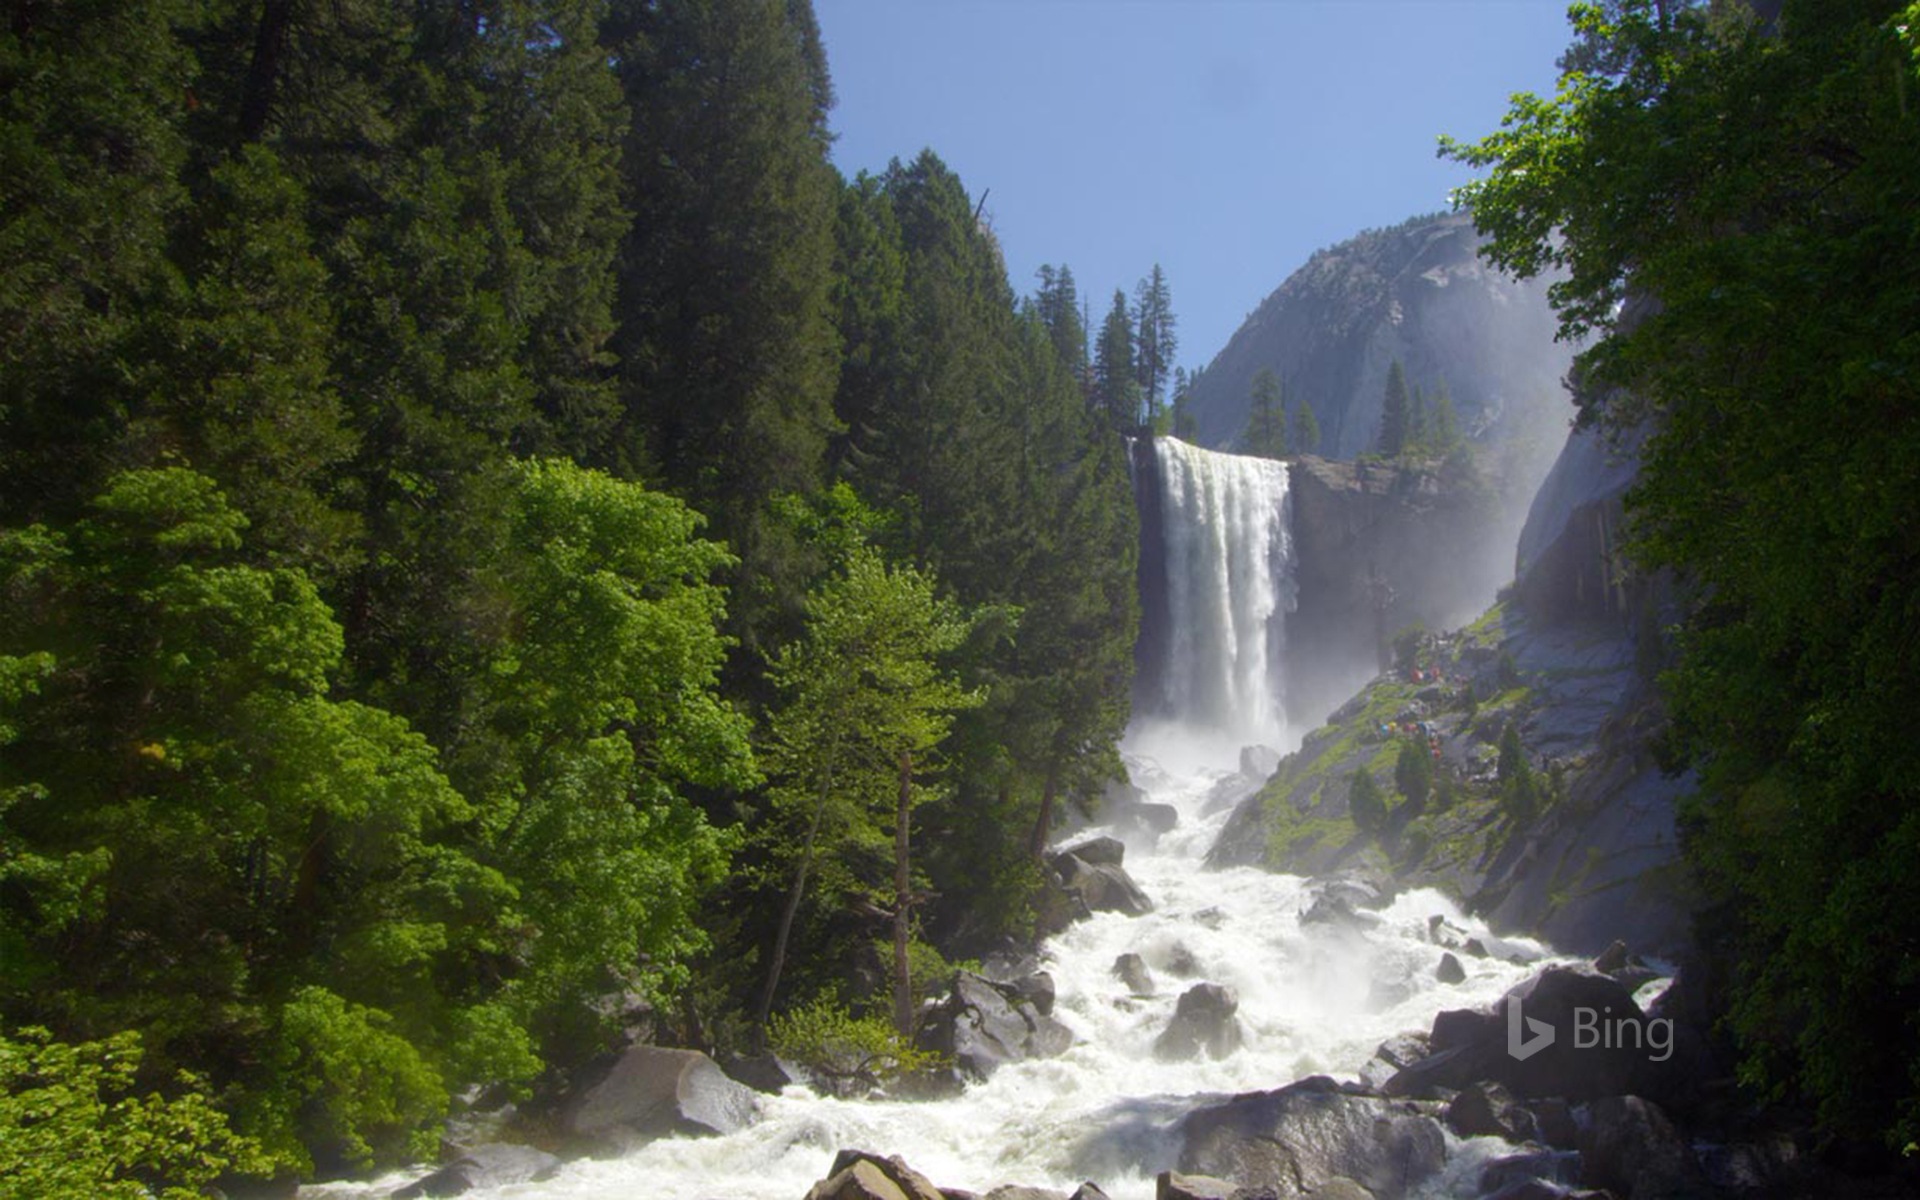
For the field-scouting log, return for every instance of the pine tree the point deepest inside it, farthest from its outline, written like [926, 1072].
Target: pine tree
[724, 315]
[1306, 429]
[1418, 433]
[1366, 805]
[1180, 420]
[1266, 432]
[1116, 387]
[1156, 340]
[1394, 413]
[1058, 306]
[866, 698]
[1443, 424]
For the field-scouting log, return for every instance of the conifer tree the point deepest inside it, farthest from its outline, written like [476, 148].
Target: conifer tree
[1394, 413]
[1266, 432]
[1155, 339]
[1306, 429]
[1058, 306]
[1116, 386]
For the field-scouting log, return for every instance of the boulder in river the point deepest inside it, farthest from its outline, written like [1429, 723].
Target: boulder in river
[1099, 886]
[1131, 970]
[1098, 852]
[859, 1175]
[493, 1165]
[981, 1025]
[1469, 1046]
[1203, 1021]
[1309, 1133]
[1489, 1110]
[1450, 969]
[647, 1092]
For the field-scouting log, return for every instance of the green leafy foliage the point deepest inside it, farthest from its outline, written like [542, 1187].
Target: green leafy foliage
[1729, 201]
[366, 723]
[844, 1054]
[73, 1124]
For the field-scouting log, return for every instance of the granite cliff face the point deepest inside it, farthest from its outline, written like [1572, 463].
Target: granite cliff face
[1567, 657]
[1418, 293]
[1379, 547]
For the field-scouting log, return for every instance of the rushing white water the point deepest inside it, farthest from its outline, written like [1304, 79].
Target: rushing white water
[1228, 565]
[1313, 999]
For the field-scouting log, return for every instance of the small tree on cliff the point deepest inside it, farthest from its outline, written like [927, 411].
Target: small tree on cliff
[1413, 775]
[1266, 435]
[1366, 804]
[1519, 786]
[1394, 412]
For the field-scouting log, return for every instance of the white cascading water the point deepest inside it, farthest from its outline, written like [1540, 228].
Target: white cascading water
[1227, 541]
[1313, 999]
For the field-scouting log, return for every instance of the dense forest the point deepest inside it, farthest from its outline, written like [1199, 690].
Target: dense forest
[1731, 192]
[501, 541]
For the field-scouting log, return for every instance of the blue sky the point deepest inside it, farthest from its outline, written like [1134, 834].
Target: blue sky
[1226, 141]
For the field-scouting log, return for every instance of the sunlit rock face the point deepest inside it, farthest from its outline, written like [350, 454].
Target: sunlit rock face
[1418, 293]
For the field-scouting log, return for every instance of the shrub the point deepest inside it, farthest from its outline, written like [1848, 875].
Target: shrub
[70, 1125]
[843, 1053]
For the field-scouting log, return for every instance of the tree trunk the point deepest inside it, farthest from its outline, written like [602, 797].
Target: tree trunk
[778, 961]
[902, 901]
[1043, 824]
[263, 72]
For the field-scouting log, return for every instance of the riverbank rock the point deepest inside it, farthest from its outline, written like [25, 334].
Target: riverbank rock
[1308, 1134]
[1173, 1185]
[1392, 1056]
[1203, 1020]
[650, 1091]
[761, 1072]
[1489, 1110]
[1099, 852]
[1470, 1046]
[860, 1175]
[1629, 1147]
[1099, 886]
[981, 1025]
[496, 1164]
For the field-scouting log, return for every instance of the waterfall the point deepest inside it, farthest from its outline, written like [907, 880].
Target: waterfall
[1216, 583]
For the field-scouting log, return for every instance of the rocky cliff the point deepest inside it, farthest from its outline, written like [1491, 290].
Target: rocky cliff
[1418, 293]
[1567, 658]
[1379, 547]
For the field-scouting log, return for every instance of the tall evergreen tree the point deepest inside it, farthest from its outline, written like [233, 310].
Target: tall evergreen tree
[1394, 411]
[1116, 386]
[724, 312]
[1155, 339]
[1266, 432]
[1058, 305]
[1181, 422]
[1306, 428]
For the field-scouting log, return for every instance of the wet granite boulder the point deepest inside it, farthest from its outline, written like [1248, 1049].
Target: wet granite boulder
[1308, 1134]
[1203, 1022]
[981, 1025]
[646, 1092]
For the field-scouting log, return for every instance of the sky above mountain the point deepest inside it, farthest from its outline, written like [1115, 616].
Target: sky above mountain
[1225, 141]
